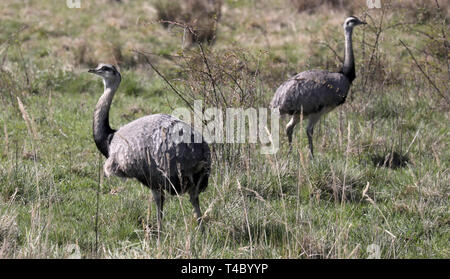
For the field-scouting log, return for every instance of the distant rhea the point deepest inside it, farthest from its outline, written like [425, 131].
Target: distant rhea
[314, 93]
[150, 149]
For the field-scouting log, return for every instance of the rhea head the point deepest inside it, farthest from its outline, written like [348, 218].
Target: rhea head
[351, 22]
[109, 73]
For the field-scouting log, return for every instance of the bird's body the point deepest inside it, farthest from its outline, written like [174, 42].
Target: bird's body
[314, 93]
[158, 150]
[144, 149]
[311, 92]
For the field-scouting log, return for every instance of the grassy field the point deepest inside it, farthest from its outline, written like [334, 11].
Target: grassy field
[379, 181]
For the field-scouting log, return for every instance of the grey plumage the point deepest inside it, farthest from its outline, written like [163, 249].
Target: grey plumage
[158, 150]
[311, 90]
[314, 93]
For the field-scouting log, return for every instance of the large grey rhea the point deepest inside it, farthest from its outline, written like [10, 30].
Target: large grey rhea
[314, 93]
[150, 150]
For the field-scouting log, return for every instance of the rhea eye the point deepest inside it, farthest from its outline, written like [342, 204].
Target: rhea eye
[105, 69]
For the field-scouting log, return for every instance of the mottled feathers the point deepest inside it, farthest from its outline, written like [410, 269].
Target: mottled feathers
[149, 149]
[310, 92]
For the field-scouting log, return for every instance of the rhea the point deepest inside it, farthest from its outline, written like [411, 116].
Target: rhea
[314, 93]
[159, 150]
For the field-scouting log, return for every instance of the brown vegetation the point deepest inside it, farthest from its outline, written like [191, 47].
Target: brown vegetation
[199, 17]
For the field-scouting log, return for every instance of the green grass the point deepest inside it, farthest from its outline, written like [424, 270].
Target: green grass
[276, 206]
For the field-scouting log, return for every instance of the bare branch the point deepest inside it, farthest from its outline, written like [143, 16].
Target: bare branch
[423, 72]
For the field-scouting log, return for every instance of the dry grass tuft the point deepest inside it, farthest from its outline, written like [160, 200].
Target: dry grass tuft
[9, 233]
[28, 120]
[393, 160]
[86, 53]
[335, 185]
[199, 16]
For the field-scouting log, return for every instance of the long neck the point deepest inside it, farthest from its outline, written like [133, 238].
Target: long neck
[349, 62]
[101, 128]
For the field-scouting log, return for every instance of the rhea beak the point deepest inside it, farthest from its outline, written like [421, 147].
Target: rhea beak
[95, 71]
[363, 22]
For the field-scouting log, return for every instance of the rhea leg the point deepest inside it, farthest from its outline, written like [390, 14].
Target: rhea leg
[310, 131]
[290, 127]
[159, 200]
[196, 204]
[193, 197]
